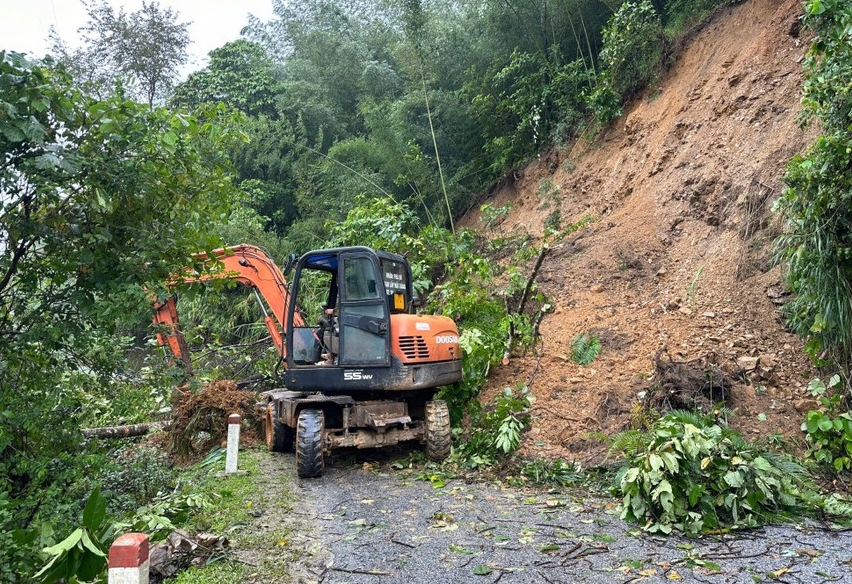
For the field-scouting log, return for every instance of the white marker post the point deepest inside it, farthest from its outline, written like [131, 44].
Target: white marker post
[128, 560]
[234, 421]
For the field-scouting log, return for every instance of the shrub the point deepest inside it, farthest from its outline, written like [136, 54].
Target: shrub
[82, 556]
[141, 473]
[828, 431]
[817, 203]
[632, 47]
[496, 430]
[584, 349]
[603, 102]
[691, 473]
[525, 102]
[681, 14]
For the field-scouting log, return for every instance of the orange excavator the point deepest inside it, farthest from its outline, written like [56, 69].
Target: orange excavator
[364, 374]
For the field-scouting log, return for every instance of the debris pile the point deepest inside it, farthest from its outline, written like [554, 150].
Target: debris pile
[180, 551]
[200, 419]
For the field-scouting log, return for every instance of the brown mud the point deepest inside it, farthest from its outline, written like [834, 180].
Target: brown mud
[675, 272]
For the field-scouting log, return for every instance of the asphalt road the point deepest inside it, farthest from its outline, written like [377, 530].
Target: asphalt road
[366, 524]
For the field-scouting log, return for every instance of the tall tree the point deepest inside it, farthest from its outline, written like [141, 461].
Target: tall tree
[240, 74]
[98, 200]
[143, 49]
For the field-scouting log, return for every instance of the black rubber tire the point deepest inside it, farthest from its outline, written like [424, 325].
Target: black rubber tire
[279, 437]
[438, 435]
[309, 433]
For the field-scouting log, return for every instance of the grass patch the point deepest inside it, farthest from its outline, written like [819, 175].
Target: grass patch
[236, 496]
[240, 500]
[224, 572]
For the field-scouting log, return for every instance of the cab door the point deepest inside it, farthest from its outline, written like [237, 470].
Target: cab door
[364, 320]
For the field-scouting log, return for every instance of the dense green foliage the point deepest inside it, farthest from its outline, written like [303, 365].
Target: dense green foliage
[99, 200]
[83, 554]
[426, 103]
[346, 98]
[817, 203]
[633, 47]
[495, 430]
[691, 473]
[828, 429]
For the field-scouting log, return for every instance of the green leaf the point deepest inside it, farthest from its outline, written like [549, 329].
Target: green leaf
[92, 545]
[734, 478]
[694, 494]
[663, 487]
[459, 549]
[66, 544]
[482, 570]
[56, 569]
[707, 565]
[812, 422]
[90, 566]
[816, 387]
[762, 464]
[95, 510]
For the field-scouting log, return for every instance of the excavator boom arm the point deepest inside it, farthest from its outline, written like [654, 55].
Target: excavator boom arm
[246, 264]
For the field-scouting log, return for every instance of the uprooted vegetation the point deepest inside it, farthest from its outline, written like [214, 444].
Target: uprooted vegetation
[696, 384]
[200, 419]
[691, 473]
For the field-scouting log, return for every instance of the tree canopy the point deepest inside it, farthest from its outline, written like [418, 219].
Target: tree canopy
[99, 200]
[143, 49]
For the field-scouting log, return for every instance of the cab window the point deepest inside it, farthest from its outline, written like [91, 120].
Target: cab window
[360, 279]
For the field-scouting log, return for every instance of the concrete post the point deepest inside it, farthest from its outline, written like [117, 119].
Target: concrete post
[128, 560]
[234, 421]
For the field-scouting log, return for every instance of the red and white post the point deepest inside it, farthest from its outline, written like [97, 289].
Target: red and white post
[128, 560]
[234, 421]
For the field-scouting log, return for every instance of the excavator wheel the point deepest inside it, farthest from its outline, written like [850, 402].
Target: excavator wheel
[309, 431]
[437, 430]
[279, 437]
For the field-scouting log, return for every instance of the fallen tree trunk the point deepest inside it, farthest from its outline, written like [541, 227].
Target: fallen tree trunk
[125, 431]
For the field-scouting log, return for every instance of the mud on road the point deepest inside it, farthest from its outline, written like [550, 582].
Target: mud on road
[366, 523]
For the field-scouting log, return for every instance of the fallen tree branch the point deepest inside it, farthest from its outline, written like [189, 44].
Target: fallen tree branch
[109, 432]
[358, 571]
[524, 297]
[544, 249]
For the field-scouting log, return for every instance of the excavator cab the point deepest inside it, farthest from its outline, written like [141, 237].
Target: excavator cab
[360, 288]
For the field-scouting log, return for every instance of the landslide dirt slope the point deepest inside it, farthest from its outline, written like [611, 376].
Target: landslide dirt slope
[679, 257]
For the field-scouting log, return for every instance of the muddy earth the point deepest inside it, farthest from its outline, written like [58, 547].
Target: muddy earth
[678, 254]
[364, 522]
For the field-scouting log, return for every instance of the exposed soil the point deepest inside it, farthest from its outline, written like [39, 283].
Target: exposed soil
[675, 274]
